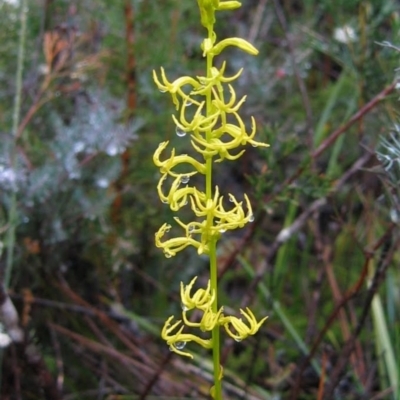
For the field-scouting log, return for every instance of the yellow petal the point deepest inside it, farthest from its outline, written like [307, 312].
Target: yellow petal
[237, 42]
[228, 5]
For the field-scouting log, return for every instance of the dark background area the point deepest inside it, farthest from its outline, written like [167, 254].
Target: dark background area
[79, 205]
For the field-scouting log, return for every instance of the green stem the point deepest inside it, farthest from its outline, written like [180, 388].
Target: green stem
[209, 133]
[213, 247]
[215, 331]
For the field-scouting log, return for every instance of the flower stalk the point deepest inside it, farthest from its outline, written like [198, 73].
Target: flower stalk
[217, 133]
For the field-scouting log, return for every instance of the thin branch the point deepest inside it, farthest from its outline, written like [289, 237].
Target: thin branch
[349, 345]
[338, 132]
[353, 291]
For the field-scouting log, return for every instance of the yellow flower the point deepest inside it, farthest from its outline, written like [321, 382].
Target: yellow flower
[236, 42]
[202, 299]
[167, 165]
[208, 8]
[228, 5]
[228, 220]
[242, 330]
[216, 77]
[176, 86]
[174, 245]
[177, 341]
[230, 106]
[176, 197]
[199, 123]
[208, 321]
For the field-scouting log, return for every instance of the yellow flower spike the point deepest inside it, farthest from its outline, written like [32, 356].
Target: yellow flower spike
[202, 299]
[178, 340]
[217, 132]
[242, 330]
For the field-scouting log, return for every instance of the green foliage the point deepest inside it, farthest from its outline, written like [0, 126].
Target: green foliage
[90, 288]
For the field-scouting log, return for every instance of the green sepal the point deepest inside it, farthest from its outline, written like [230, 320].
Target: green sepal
[237, 42]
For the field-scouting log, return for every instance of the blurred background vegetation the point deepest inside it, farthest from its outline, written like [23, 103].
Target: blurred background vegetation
[79, 207]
